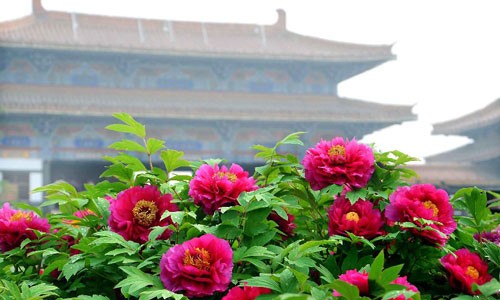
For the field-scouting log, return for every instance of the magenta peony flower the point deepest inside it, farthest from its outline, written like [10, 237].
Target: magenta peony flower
[245, 293]
[423, 201]
[360, 219]
[285, 226]
[409, 287]
[491, 236]
[198, 267]
[17, 225]
[465, 268]
[355, 278]
[213, 187]
[339, 162]
[137, 209]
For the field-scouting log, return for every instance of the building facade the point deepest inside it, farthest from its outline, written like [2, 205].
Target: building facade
[211, 90]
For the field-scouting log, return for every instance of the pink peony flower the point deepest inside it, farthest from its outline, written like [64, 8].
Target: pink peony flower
[245, 293]
[360, 219]
[213, 187]
[423, 201]
[198, 267]
[465, 268]
[409, 287]
[17, 225]
[285, 226]
[137, 209]
[338, 162]
[355, 278]
[491, 236]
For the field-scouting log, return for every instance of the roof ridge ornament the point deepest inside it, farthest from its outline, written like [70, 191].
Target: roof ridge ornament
[37, 7]
[281, 22]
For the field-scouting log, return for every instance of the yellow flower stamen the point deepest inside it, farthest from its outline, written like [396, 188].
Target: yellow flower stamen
[337, 150]
[472, 272]
[200, 259]
[352, 216]
[230, 176]
[145, 212]
[430, 205]
[18, 216]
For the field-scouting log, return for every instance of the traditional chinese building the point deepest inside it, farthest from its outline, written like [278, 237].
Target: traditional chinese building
[475, 164]
[208, 89]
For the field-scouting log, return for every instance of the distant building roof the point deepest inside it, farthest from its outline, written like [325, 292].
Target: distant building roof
[62, 30]
[35, 99]
[478, 119]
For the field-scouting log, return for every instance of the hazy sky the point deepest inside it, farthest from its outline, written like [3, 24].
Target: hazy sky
[448, 51]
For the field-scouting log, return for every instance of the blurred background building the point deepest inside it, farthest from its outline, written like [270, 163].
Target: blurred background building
[211, 90]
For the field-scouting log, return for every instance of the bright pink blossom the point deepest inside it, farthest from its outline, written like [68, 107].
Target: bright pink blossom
[423, 201]
[198, 267]
[17, 225]
[245, 293]
[137, 209]
[409, 287]
[359, 218]
[359, 279]
[465, 268]
[213, 187]
[339, 162]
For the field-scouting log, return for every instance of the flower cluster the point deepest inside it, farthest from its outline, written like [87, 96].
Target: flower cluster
[346, 222]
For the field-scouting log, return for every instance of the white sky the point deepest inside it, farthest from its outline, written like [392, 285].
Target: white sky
[448, 51]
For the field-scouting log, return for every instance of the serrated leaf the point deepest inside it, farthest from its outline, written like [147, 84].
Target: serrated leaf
[154, 145]
[71, 268]
[173, 159]
[128, 145]
[130, 126]
[264, 281]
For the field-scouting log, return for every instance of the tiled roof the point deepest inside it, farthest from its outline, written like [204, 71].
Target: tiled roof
[30, 99]
[61, 30]
[478, 119]
[478, 151]
[456, 175]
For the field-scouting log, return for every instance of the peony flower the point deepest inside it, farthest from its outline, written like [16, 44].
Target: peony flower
[491, 236]
[338, 162]
[17, 225]
[465, 268]
[409, 287]
[213, 187]
[355, 278]
[423, 201]
[360, 218]
[137, 209]
[285, 226]
[198, 267]
[245, 293]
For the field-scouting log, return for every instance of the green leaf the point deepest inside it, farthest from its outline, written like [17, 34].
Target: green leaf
[292, 139]
[93, 297]
[130, 126]
[173, 159]
[490, 288]
[136, 281]
[348, 291]
[264, 281]
[160, 294]
[355, 195]
[71, 268]
[390, 274]
[376, 267]
[154, 145]
[156, 232]
[128, 145]
[42, 290]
